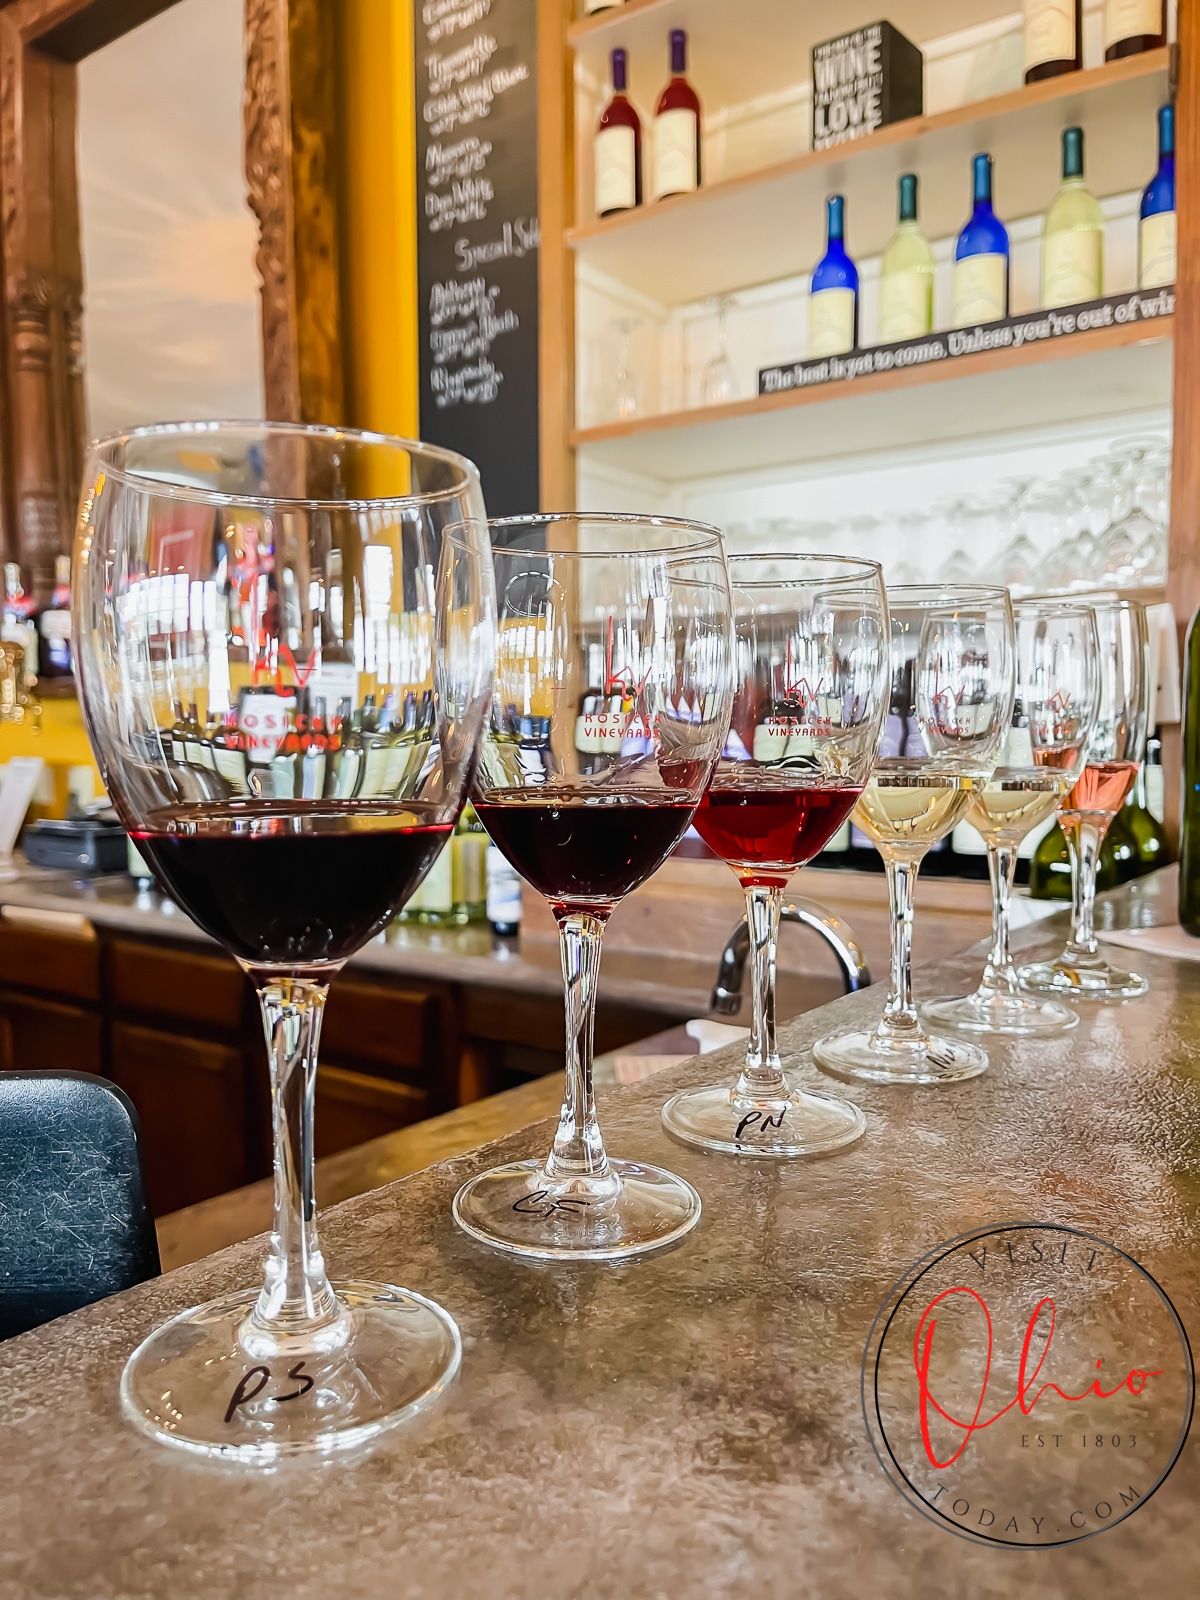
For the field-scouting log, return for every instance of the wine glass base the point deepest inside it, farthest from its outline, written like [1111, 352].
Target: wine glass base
[987, 1011]
[796, 1123]
[1095, 980]
[191, 1385]
[860, 1057]
[516, 1208]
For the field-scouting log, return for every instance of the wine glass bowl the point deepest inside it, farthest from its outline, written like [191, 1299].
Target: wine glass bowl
[810, 695]
[284, 699]
[611, 706]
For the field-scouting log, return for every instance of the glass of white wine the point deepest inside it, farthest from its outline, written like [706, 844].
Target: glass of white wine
[953, 683]
[1058, 694]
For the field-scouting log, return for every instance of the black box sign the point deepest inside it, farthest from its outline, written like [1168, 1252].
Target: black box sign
[863, 81]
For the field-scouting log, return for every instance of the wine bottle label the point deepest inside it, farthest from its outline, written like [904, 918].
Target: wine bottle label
[599, 5]
[980, 289]
[1156, 250]
[1156, 793]
[1128, 19]
[831, 322]
[905, 306]
[1018, 749]
[1049, 31]
[1072, 267]
[436, 892]
[616, 170]
[600, 732]
[675, 152]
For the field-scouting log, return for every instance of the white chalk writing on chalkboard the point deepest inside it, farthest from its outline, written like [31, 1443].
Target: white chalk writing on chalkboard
[477, 385]
[470, 101]
[446, 161]
[517, 239]
[444, 17]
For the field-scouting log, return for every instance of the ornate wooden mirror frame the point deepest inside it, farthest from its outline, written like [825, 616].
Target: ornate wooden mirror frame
[289, 115]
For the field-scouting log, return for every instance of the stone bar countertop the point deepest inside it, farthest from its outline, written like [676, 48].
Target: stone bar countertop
[684, 1427]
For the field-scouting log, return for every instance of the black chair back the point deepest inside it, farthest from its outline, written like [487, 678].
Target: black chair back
[74, 1222]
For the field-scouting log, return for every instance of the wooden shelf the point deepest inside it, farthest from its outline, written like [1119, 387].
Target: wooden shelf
[770, 224]
[1088, 375]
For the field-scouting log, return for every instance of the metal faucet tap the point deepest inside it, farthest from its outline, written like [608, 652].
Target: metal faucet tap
[727, 995]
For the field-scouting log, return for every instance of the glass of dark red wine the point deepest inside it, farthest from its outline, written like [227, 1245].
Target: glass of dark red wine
[811, 692]
[1114, 753]
[611, 706]
[285, 668]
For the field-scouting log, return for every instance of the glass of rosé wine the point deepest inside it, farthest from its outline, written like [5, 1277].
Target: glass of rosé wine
[613, 690]
[811, 692]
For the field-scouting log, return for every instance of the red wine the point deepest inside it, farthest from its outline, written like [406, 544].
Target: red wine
[677, 128]
[290, 885]
[617, 149]
[756, 828]
[583, 854]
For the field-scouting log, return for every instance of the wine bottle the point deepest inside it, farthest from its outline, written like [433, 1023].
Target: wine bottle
[1073, 234]
[54, 626]
[1131, 26]
[1145, 830]
[981, 257]
[1156, 230]
[677, 128]
[1050, 868]
[18, 625]
[1189, 820]
[906, 278]
[468, 867]
[1053, 38]
[617, 151]
[833, 296]
[503, 894]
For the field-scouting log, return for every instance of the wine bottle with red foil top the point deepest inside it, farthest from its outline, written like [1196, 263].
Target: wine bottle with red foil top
[677, 128]
[1053, 38]
[1133, 26]
[617, 150]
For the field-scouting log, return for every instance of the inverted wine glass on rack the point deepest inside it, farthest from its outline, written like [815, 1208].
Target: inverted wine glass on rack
[611, 707]
[811, 691]
[951, 701]
[285, 713]
[1058, 686]
[1114, 754]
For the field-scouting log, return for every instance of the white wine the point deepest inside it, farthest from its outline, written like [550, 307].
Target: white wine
[904, 810]
[906, 277]
[1073, 235]
[1005, 809]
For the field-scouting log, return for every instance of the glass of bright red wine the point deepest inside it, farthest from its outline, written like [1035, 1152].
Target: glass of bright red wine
[285, 695]
[1114, 753]
[811, 692]
[611, 706]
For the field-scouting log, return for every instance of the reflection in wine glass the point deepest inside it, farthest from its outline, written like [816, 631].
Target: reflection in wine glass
[950, 706]
[613, 689]
[286, 714]
[1058, 682]
[719, 384]
[627, 385]
[1114, 753]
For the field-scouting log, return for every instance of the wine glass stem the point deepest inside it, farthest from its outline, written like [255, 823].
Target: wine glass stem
[762, 1074]
[1000, 973]
[900, 1014]
[297, 1310]
[578, 1149]
[1083, 844]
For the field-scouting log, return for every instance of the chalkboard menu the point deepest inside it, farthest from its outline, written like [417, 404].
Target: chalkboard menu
[477, 232]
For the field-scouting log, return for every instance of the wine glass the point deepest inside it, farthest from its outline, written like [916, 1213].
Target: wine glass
[952, 686]
[613, 690]
[627, 385]
[285, 714]
[719, 384]
[1114, 753]
[812, 680]
[1058, 686]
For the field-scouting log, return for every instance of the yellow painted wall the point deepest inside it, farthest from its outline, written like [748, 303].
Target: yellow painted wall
[379, 242]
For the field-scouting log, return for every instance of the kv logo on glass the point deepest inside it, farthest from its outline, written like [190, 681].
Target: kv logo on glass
[1027, 1385]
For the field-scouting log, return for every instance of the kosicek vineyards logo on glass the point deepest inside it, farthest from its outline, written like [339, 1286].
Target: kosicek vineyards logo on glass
[1027, 1385]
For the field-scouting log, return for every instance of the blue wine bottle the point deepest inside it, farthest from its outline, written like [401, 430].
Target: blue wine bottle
[981, 258]
[1156, 231]
[833, 295]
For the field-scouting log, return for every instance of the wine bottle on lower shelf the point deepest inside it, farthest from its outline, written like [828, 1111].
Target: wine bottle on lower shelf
[1156, 225]
[833, 295]
[617, 149]
[906, 274]
[1072, 234]
[1053, 38]
[1189, 818]
[981, 256]
[1133, 26]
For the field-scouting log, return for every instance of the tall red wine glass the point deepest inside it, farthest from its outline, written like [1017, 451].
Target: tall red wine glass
[611, 706]
[285, 698]
[811, 693]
